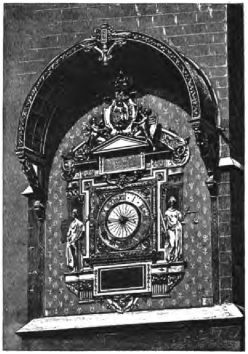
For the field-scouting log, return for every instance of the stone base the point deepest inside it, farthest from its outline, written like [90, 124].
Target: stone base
[213, 328]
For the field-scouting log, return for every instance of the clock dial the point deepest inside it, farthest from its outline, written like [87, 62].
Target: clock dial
[124, 220]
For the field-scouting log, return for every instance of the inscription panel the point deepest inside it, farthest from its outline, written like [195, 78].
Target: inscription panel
[122, 163]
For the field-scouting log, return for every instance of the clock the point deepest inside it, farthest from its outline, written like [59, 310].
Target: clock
[124, 220]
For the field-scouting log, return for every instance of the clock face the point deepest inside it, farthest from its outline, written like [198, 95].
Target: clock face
[124, 220]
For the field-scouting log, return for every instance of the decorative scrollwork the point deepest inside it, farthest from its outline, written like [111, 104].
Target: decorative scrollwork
[30, 173]
[122, 303]
[123, 179]
[72, 192]
[171, 279]
[104, 40]
[178, 145]
[82, 285]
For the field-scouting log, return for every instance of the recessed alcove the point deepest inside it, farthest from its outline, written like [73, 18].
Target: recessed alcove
[71, 90]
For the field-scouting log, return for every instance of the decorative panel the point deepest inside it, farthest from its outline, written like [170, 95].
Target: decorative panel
[195, 289]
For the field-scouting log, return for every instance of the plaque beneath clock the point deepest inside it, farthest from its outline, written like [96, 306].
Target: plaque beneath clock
[132, 278]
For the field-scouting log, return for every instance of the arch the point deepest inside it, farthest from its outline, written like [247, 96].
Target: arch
[97, 58]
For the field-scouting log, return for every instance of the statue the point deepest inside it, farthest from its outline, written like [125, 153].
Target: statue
[95, 132]
[173, 229]
[146, 125]
[74, 236]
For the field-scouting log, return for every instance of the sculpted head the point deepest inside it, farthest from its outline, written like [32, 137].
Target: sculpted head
[172, 201]
[74, 213]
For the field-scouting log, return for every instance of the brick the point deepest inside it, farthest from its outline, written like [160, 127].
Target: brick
[70, 26]
[177, 41]
[210, 49]
[224, 216]
[224, 104]
[197, 50]
[188, 7]
[129, 9]
[226, 283]
[116, 10]
[225, 296]
[212, 61]
[216, 72]
[222, 93]
[218, 49]
[144, 9]
[225, 269]
[48, 16]
[219, 38]
[74, 14]
[224, 229]
[224, 119]
[154, 32]
[184, 18]
[161, 20]
[203, 17]
[205, 7]
[174, 30]
[218, 16]
[195, 28]
[214, 16]
[48, 41]
[225, 244]
[225, 177]
[30, 66]
[224, 203]
[45, 53]
[224, 188]
[132, 23]
[216, 27]
[225, 151]
[67, 40]
[225, 258]
[167, 8]
[221, 82]
[199, 39]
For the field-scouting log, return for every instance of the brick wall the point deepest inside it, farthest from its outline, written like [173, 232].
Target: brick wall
[33, 35]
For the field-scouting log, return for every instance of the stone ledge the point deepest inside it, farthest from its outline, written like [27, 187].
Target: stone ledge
[62, 323]
[229, 161]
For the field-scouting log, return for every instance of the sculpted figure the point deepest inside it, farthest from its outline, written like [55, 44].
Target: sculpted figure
[96, 134]
[146, 125]
[74, 236]
[173, 226]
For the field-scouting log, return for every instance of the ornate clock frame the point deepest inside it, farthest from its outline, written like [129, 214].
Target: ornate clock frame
[130, 166]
